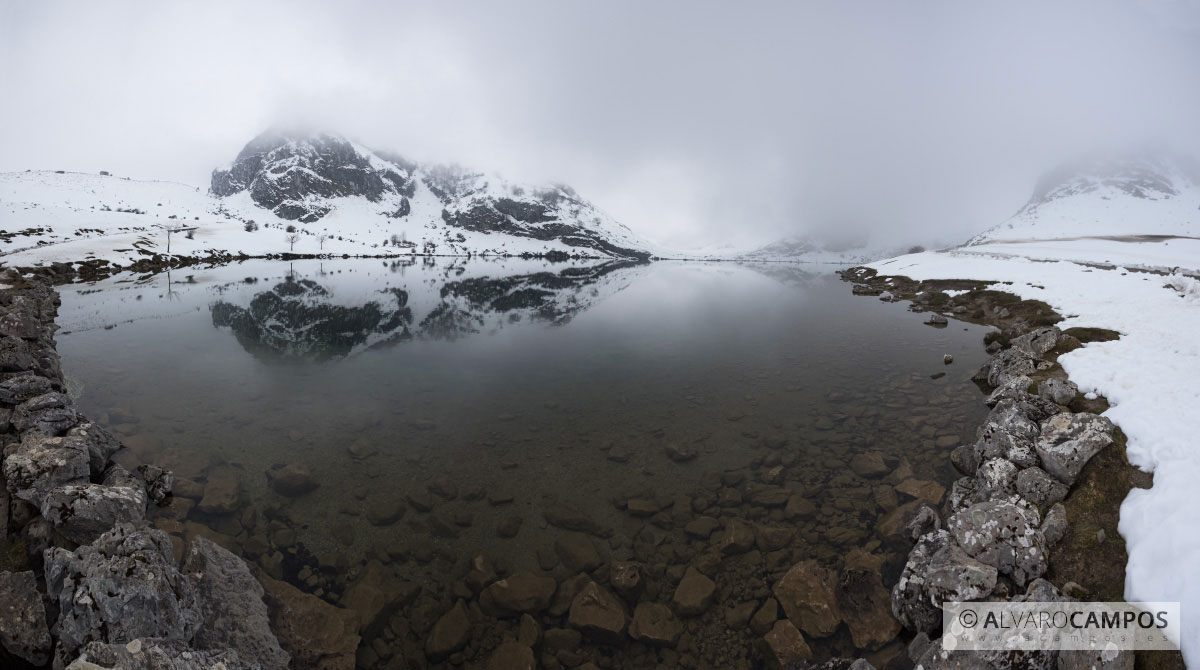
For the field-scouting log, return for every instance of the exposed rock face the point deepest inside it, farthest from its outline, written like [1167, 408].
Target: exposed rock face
[231, 606]
[122, 586]
[289, 174]
[23, 629]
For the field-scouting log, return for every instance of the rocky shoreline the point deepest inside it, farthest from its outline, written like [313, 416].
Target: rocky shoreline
[1040, 488]
[86, 581]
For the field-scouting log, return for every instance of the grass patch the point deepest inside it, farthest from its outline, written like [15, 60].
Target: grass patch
[1086, 335]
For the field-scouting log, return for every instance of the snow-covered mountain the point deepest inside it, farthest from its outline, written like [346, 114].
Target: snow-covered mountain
[1144, 195]
[813, 250]
[305, 178]
[300, 194]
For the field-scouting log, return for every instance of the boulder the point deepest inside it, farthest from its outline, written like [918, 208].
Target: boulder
[16, 390]
[23, 631]
[1004, 535]
[808, 597]
[158, 482]
[1058, 391]
[81, 512]
[679, 452]
[784, 647]
[694, 594]
[375, 595]
[122, 586]
[49, 414]
[995, 479]
[42, 463]
[1009, 364]
[1068, 442]
[234, 615]
[1054, 525]
[1037, 342]
[16, 355]
[599, 614]
[1038, 487]
[1012, 388]
[937, 570]
[317, 635]
[101, 444]
[655, 623]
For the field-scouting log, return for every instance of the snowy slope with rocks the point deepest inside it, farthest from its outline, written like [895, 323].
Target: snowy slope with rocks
[1093, 231]
[1157, 195]
[317, 194]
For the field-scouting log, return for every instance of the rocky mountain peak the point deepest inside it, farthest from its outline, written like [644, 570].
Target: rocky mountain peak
[289, 173]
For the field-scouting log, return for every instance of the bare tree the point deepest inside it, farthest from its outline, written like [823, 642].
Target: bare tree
[291, 240]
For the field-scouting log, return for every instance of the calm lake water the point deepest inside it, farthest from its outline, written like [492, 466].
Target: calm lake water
[455, 408]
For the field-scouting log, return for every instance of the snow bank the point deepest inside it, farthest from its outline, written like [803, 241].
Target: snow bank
[1148, 377]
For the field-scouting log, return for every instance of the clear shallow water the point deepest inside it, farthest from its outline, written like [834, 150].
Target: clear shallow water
[490, 392]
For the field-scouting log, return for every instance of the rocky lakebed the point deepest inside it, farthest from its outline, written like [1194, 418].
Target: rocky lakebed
[304, 478]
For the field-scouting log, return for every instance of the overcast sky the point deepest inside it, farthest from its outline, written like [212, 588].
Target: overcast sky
[692, 122]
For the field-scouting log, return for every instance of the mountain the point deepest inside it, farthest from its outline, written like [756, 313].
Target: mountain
[814, 250]
[304, 178]
[304, 194]
[1140, 195]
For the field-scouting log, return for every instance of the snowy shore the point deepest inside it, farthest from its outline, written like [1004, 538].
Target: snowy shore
[1146, 375]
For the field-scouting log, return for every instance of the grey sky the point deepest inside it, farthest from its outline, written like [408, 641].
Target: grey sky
[692, 122]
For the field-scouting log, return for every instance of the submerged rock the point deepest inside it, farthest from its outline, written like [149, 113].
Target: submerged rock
[231, 605]
[655, 623]
[807, 594]
[694, 594]
[599, 614]
[292, 480]
[784, 647]
[450, 633]
[317, 635]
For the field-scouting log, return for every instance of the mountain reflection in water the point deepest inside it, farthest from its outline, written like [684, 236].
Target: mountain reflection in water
[299, 318]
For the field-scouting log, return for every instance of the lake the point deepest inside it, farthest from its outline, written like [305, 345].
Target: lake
[553, 419]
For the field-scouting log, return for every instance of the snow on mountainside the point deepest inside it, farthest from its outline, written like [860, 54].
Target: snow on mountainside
[1157, 195]
[305, 178]
[317, 194]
